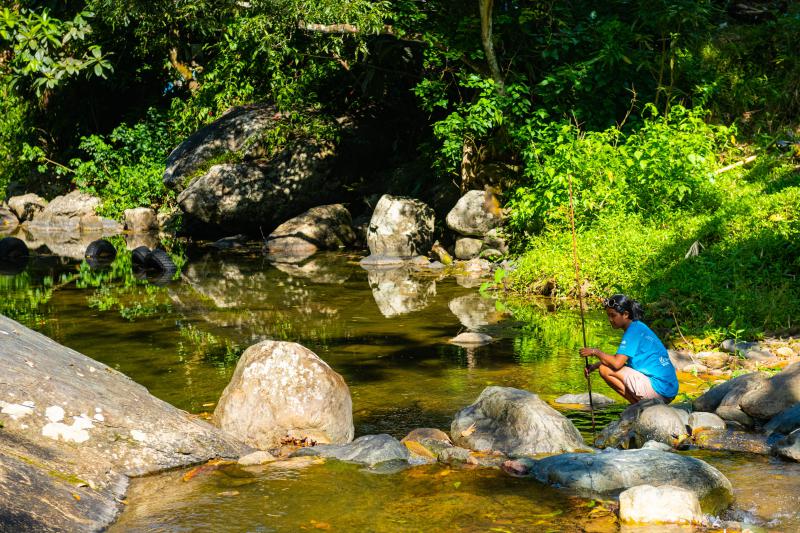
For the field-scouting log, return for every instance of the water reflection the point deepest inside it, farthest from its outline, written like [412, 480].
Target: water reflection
[398, 291]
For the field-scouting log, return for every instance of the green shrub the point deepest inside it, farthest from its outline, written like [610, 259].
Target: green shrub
[665, 165]
[125, 169]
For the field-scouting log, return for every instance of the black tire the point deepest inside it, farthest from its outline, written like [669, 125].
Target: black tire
[100, 250]
[139, 255]
[159, 260]
[13, 249]
[161, 277]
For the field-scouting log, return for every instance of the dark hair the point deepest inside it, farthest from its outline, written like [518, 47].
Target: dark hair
[622, 304]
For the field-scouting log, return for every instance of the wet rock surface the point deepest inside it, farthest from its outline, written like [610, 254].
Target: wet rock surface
[605, 474]
[282, 389]
[80, 427]
[661, 505]
[514, 422]
[326, 227]
[369, 450]
[647, 420]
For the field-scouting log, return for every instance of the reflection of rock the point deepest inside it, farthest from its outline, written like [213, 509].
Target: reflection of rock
[62, 243]
[396, 292]
[514, 422]
[8, 220]
[319, 269]
[134, 240]
[473, 311]
[283, 389]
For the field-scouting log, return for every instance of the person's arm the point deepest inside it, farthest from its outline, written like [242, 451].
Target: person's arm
[615, 361]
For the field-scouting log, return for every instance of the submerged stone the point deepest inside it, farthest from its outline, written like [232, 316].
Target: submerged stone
[369, 450]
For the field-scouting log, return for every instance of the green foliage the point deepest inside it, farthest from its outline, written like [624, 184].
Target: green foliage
[46, 51]
[14, 131]
[741, 280]
[665, 165]
[125, 169]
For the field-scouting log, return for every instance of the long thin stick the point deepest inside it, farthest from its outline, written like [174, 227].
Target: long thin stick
[580, 297]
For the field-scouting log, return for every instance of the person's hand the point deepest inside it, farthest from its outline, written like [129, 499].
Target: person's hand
[588, 352]
[589, 369]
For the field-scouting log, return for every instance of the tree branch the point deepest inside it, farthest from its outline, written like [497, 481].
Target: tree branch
[485, 7]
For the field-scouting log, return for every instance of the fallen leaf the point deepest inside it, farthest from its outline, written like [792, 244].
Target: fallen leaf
[207, 467]
[228, 493]
[469, 431]
[419, 449]
[76, 496]
[320, 525]
[210, 404]
[457, 484]
[444, 473]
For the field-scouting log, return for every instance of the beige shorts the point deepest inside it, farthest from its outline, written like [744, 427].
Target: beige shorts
[639, 385]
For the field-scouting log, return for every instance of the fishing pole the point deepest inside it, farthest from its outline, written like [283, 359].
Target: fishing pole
[580, 299]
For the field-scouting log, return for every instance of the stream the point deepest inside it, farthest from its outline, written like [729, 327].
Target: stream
[386, 332]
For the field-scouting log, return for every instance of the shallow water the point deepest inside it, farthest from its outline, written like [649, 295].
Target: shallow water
[386, 333]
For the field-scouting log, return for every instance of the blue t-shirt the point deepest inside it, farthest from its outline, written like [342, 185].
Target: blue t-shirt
[647, 354]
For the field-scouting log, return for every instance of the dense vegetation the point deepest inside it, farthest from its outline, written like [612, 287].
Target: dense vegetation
[640, 104]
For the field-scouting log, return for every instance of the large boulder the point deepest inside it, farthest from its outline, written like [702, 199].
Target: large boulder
[27, 206]
[661, 505]
[782, 391]
[232, 133]
[473, 215]
[369, 450]
[282, 389]
[647, 420]
[605, 474]
[326, 227]
[73, 212]
[468, 248]
[243, 197]
[400, 227]
[515, 422]
[74, 430]
[712, 399]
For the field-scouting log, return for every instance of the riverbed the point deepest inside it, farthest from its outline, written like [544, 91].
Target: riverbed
[386, 333]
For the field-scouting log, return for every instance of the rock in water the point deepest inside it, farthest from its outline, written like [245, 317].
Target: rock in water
[789, 448]
[468, 248]
[369, 450]
[326, 227]
[514, 422]
[282, 389]
[700, 420]
[603, 474]
[73, 430]
[471, 338]
[400, 227]
[644, 421]
[583, 399]
[27, 206]
[785, 422]
[780, 392]
[662, 505]
[141, 220]
[713, 398]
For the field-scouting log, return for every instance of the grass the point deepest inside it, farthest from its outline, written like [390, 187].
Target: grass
[742, 282]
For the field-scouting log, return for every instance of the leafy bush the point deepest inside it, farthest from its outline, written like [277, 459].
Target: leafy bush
[126, 168]
[663, 166]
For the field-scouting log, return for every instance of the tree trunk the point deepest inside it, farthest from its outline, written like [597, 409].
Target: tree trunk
[485, 7]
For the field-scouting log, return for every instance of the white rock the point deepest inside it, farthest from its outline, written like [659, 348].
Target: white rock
[54, 413]
[17, 411]
[665, 505]
[256, 458]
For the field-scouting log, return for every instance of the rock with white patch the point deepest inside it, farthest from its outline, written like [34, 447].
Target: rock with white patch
[666, 504]
[282, 389]
[67, 430]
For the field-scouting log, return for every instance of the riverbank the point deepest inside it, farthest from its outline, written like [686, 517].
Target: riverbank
[703, 276]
